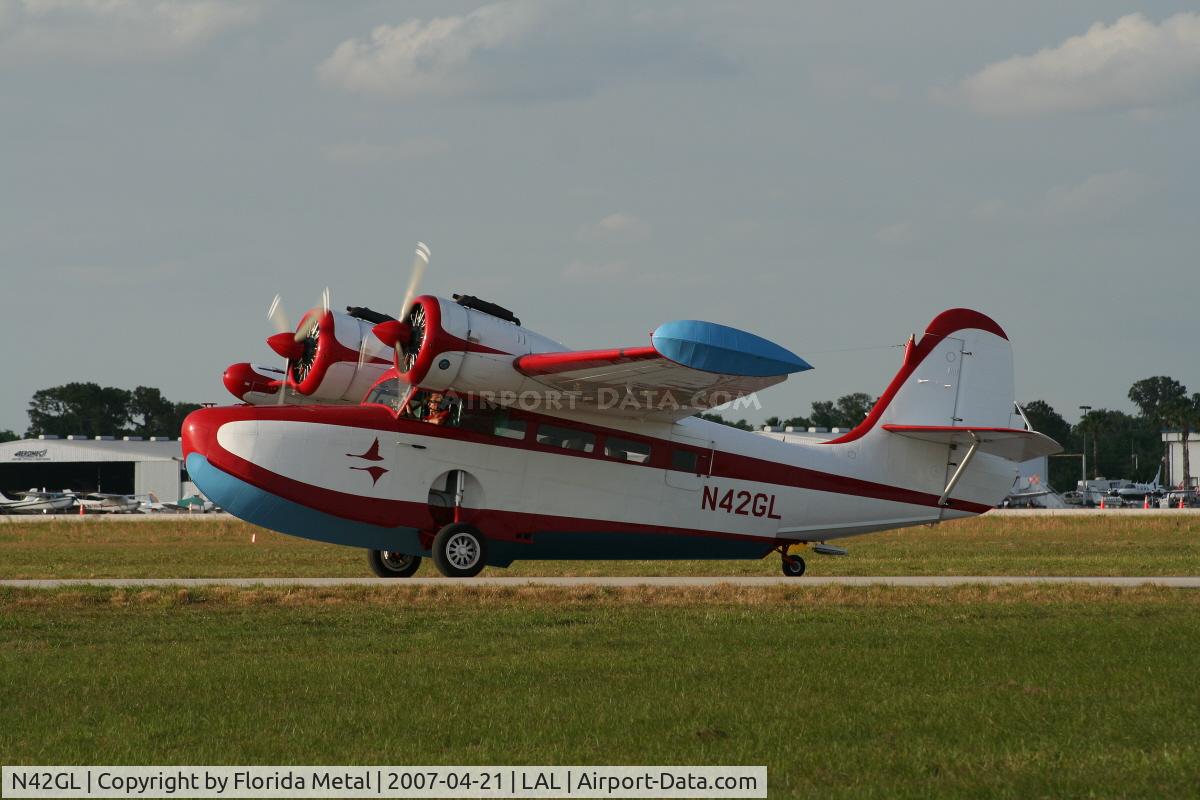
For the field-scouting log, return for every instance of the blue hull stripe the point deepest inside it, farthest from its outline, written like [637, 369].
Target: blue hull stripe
[271, 511]
[276, 513]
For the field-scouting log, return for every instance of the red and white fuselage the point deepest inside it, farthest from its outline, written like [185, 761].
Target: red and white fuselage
[575, 479]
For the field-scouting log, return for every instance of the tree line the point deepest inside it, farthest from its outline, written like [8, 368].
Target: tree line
[89, 409]
[1118, 445]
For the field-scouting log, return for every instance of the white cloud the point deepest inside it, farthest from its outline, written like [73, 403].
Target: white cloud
[359, 153]
[619, 227]
[520, 48]
[1132, 63]
[435, 57]
[1101, 196]
[97, 31]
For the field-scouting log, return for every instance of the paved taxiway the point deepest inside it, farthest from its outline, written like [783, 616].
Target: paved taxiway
[1186, 582]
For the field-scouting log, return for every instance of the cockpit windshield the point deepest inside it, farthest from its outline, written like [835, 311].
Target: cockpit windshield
[445, 408]
[390, 393]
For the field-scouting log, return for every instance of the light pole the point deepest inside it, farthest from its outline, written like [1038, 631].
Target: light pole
[1083, 446]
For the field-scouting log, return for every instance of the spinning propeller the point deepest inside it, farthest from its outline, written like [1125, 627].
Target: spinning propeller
[406, 334]
[299, 346]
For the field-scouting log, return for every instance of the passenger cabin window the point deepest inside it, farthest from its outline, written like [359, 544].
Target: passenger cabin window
[509, 428]
[685, 460]
[566, 438]
[627, 449]
[388, 393]
[485, 417]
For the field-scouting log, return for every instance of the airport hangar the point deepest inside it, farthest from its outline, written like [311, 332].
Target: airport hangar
[127, 465]
[1174, 475]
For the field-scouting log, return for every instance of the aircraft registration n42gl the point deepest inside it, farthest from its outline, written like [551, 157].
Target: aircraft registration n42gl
[455, 432]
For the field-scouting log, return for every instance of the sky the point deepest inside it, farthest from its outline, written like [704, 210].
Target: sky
[827, 175]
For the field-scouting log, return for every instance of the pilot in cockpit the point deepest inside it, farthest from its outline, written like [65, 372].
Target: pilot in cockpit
[439, 409]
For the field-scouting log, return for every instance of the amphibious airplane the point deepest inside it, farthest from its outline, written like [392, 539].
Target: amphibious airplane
[484, 442]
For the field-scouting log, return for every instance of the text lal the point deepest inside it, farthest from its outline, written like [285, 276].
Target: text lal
[742, 503]
[541, 780]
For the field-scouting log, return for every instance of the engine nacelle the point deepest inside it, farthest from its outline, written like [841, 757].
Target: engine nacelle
[323, 366]
[443, 344]
[447, 344]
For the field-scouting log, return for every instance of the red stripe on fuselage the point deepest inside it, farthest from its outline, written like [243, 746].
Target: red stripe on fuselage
[725, 464]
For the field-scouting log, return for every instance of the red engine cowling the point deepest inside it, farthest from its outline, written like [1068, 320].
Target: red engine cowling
[323, 366]
[443, 344]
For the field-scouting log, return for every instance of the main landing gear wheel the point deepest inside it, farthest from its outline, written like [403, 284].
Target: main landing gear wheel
[459, 551]
[390, 564]
[793, 566]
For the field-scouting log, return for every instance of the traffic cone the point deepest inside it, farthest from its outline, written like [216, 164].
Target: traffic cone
[1181, 501]
[1102, 502]
[1146, 501]
[81, 509]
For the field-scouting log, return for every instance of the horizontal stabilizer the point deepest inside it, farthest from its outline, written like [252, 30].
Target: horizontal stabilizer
[1014, 444]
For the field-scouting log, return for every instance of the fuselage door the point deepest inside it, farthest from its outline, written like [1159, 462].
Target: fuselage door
[689, 462]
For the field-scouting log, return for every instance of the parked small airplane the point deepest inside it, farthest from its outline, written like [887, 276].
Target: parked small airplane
[99, 502]
[36, 502]
[150, 504]
[484, 442]
[1032, 494]
[1138, 491]
[193, 504]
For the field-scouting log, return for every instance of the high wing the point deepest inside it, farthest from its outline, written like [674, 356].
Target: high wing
[689, 366]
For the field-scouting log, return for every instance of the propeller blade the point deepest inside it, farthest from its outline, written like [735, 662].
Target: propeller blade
[287, 368]
[420, 262]
[312, 319]
[278, 316]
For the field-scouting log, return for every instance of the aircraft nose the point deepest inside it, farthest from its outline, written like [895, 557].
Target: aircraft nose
[200, 431]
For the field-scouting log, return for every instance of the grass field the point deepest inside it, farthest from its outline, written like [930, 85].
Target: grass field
[876, 692]
[195, 547]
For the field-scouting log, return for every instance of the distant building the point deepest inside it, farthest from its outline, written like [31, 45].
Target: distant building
[129, 465]
[1174, 472]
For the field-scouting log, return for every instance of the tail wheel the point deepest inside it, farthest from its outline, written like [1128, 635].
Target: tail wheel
[459, 551]
[793, 566]
[390, 564]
